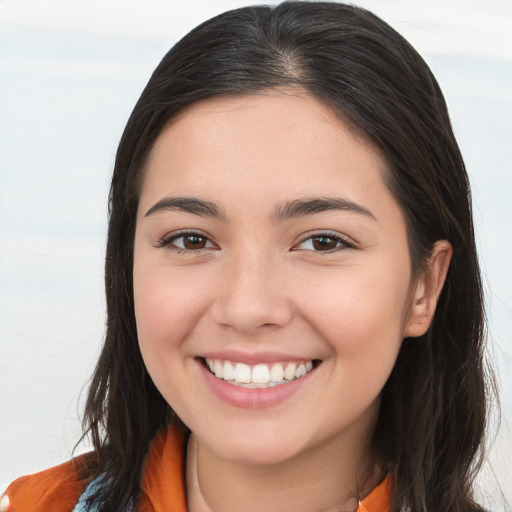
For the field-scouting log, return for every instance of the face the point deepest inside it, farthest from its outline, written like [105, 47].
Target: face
[272, 278]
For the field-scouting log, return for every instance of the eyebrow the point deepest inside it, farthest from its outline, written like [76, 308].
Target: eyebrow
[189, 205]
[302, 207]
[288, 210]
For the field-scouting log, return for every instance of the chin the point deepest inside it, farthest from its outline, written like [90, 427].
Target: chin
[253, 448]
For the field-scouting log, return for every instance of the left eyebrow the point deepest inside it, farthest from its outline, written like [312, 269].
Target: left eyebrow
[302, 207]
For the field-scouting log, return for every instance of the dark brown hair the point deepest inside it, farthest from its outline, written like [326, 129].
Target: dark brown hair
[433, 411]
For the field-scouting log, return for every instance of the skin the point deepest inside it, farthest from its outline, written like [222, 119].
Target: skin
[259, 284]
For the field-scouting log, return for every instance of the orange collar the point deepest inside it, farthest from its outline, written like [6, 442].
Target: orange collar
[163, 484]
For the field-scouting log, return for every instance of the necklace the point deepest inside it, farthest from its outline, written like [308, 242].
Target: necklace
[195, 498]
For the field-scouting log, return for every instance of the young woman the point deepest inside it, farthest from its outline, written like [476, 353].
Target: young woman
[294, 303]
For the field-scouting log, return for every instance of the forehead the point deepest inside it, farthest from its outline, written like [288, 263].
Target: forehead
[272, 142]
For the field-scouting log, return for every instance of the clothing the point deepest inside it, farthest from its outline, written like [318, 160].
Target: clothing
[163, 485]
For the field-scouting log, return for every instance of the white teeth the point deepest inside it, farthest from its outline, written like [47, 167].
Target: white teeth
[217, 368]
[289, 372]
[259, 376]
[229, 371]
[300, 371]
[242, 373]
[277, 372]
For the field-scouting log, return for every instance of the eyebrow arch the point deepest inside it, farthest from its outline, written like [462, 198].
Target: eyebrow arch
[301, 207]
[189, 205]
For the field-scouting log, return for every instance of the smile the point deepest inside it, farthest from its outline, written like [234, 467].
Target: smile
[259, 375]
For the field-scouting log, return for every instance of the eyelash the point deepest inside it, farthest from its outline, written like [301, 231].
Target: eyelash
[341, 242]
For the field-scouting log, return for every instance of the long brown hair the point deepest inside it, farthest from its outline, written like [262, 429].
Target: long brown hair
[433, 410]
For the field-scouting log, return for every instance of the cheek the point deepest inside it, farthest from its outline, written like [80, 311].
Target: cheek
[360, 312]
[167, 307]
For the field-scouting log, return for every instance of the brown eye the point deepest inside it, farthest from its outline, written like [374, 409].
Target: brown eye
[191, 242]
[187, 242]
[324, 243]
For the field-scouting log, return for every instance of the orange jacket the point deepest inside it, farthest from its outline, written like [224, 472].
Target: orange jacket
[58, 489]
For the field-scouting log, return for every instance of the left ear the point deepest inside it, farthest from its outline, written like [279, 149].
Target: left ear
[428, 288]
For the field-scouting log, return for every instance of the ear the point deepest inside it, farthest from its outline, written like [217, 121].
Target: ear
[427, 289]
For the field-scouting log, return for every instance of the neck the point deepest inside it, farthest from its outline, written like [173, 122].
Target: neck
[331, 478]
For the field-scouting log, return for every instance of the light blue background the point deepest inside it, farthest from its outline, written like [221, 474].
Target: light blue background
[70, 73]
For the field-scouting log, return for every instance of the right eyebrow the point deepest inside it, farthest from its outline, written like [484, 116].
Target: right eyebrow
[188, 205]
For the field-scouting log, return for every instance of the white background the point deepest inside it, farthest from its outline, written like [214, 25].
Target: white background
[70, 73]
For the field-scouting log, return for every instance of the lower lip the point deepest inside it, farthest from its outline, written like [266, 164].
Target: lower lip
[253, 398]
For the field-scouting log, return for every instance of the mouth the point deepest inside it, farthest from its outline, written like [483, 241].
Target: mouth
[263, 375]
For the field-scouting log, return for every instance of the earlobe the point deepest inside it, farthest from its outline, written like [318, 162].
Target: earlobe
[427, 289]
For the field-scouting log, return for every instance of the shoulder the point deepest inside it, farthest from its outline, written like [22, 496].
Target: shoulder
[60, 489]
[54, 490]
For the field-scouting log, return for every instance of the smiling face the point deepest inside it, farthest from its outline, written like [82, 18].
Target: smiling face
[270, 252]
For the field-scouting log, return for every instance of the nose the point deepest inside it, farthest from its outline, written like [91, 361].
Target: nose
[252, 295]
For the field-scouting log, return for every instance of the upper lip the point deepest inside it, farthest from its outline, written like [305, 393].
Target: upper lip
[253, 358]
